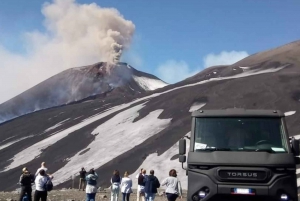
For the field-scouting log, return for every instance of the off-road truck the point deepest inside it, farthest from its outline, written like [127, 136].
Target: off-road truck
[238, 154]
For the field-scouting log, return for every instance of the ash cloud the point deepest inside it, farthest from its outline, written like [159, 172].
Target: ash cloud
[76, 35]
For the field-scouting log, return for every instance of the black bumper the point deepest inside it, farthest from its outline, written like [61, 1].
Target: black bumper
[223, 191]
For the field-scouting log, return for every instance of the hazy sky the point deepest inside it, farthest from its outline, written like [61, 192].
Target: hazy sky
[171, 39]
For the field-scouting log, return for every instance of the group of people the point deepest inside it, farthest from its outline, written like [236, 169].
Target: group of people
[147, 186]
[146, 191]
[40, 178]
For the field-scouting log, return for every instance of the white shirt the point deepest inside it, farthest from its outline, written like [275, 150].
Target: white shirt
[40, 182]
[41, 168]
[126, 185]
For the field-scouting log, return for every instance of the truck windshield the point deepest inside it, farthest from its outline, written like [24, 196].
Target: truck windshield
[240, 134]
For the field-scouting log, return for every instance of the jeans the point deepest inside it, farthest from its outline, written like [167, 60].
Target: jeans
[25, 189]
[150, 196]
[81, 183]
[90, 196]
[115, 189]
[40, 195]
[126, 195]
[171, 196]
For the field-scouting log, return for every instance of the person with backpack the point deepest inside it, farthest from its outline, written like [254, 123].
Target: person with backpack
[115, 185]
[151, 186]
[82, 179]
[26, 179]
[126, 186]
[91, 185]
[173, 186]
[43, 184]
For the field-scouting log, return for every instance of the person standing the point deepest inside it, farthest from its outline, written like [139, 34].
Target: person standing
[82, 174]
[40, 181]
[115, 185]
[141, 185]
[173, 186]
[26, 179]
[138, 186]
[91, 185]
[126, 186]
[151, 186]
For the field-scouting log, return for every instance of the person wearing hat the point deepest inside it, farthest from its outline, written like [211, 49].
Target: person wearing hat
[26, 180]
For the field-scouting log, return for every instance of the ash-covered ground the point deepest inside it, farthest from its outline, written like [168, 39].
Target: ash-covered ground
[76, 195]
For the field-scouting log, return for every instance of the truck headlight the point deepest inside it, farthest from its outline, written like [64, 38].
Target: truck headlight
[284, 197]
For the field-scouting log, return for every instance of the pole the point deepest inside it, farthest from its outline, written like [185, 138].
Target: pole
[73, 181]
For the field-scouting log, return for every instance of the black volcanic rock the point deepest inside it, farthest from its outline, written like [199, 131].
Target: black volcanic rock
[73, 85]
[266, 82]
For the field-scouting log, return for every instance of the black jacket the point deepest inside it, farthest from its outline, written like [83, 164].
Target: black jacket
[26, 179]
[116, 179]
[151, 184]
[141, 181]
[82, 174]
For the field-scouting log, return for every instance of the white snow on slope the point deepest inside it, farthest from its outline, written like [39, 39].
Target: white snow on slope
[114, 137]
[163, 164]
[56, 125]
[33, 151]
[244, 68]
[290, 113]
[148, 83]
[196, 106]
[13, 142]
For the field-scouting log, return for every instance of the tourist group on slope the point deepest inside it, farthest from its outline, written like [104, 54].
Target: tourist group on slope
[146, 191]
[147, 186]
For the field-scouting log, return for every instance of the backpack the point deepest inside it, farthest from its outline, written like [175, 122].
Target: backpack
[48, 186]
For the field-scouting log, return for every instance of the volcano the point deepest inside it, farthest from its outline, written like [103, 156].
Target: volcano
[126, 130]
[79, 83]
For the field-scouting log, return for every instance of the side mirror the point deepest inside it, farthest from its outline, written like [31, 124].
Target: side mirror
[182, 146]
[182, 158]
[295, 146]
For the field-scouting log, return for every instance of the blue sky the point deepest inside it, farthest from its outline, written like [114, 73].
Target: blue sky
[172, 35]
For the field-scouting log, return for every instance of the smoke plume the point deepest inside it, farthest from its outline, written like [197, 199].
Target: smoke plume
[75, 35]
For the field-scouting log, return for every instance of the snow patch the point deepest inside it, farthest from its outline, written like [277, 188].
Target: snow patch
[196, 106]
[148, 83]
[56, 125]
[290, 113]
[114, 137]
[13, 142]
[163, 164]
[244, 68]
[78, 117]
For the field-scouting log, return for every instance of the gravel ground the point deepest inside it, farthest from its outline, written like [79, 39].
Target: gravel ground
[74, 195]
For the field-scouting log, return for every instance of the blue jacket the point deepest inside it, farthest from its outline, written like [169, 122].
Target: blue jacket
[151, 184]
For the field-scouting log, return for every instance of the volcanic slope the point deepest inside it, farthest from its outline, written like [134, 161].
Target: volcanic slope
[78, 83]
[111, 132]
